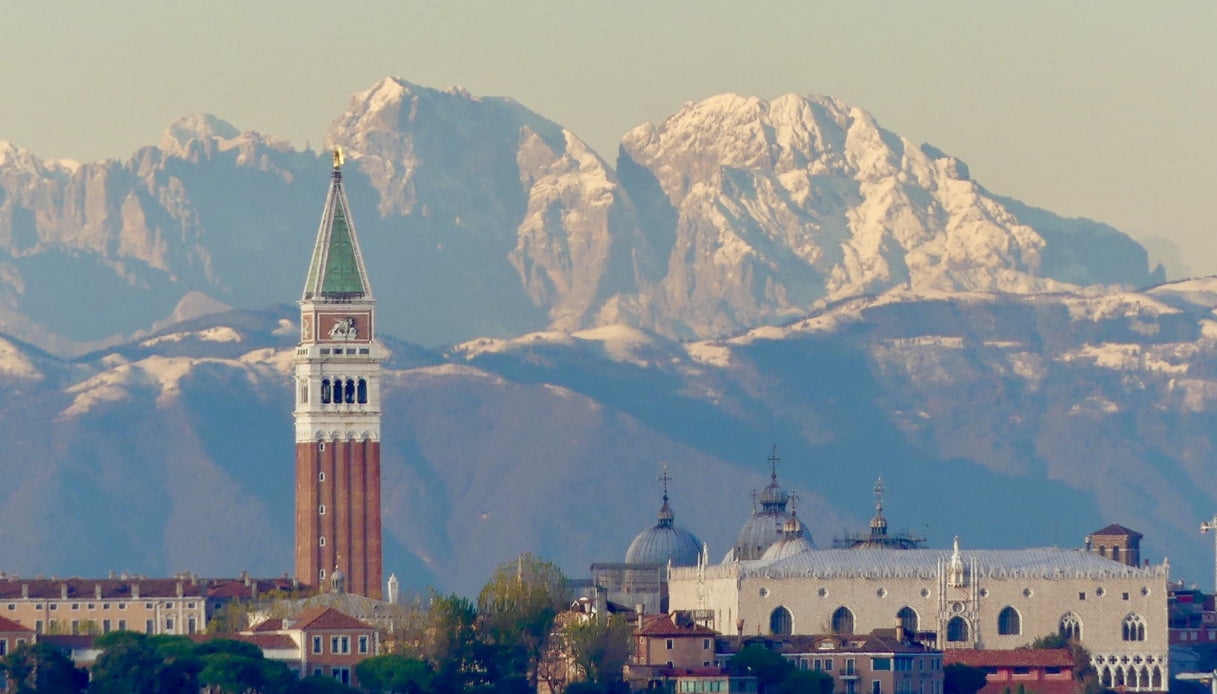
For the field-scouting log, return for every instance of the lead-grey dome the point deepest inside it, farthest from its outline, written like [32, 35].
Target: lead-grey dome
[765, 526]
[794, 540]
[665, 542]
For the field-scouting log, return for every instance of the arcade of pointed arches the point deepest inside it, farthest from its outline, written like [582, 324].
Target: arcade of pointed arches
[1126, 672]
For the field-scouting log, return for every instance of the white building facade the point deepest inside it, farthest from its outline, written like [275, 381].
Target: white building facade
[994, 599]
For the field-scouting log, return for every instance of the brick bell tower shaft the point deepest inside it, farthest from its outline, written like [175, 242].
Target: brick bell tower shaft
[338, 409]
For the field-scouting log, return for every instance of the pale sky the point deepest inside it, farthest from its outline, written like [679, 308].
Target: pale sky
[1100, 109]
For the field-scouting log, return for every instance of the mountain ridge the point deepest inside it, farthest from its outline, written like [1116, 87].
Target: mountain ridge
[503, 222]
[1098, 410]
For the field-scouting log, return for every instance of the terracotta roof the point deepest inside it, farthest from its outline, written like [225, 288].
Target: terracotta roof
[86, 588]
[262, 641]
[8, 625]
[662, 625]
[272, 624]
[149, 588]
[238, 588]
[878, 641]
[1021, 657]
[326, 618]
[1117, 530]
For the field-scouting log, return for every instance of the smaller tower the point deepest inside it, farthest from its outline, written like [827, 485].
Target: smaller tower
[394, 592]
[1116, 543]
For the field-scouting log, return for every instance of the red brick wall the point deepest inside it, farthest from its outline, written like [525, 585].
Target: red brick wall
[351, 523]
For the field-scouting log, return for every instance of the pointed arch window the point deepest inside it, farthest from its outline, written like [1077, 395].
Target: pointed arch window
[361, 392]
[1133, 628]
[1071, 627]
[908, 619]
[957, 630]
[780, 621]
[1009, 622]
[842, 621]
[325, 391]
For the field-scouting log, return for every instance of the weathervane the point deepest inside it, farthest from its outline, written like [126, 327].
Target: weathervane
[337, 158]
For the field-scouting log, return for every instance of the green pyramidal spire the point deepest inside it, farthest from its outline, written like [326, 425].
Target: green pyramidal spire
[336, 271]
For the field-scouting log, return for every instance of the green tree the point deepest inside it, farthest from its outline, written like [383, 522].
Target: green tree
[41, 668]
[600, 650]
[395, 673]
[805, 682]
[128, 665]
[769, 667]
[958, 678]
[451, 628]
[320, 684]
[516, 609]
[1083, 671]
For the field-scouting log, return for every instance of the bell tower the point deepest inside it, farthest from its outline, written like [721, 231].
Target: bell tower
[337, 415]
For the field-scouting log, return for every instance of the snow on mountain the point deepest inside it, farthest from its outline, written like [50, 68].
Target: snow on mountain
[14, 363]
[488, 184]
[1086, 416]
[774, 205]
[480, 217]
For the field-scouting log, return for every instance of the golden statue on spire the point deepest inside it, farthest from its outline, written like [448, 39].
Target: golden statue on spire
[337, 158]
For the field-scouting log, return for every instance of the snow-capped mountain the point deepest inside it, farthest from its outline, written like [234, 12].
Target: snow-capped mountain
[1011, 420]
[767, 206]
[482, 218]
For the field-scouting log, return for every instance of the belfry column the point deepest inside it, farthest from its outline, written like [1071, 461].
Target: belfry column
[337, 370]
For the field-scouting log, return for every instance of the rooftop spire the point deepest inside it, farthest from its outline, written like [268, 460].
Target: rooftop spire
[665, 512]
[772, 498]
[336, 271]
[878, 524]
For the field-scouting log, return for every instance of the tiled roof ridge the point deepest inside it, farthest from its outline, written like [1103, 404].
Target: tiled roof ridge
[7, 624]
[84, 588]
[664, 625]
[1012, 657]
[326, 618]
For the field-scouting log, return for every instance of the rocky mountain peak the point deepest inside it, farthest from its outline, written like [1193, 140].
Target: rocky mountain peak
[181, 132]
[736, 211]
[804, 198]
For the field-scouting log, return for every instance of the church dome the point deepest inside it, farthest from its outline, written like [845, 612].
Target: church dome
[794, 540]
[761, 530]
[765, 526]
[665, 542]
